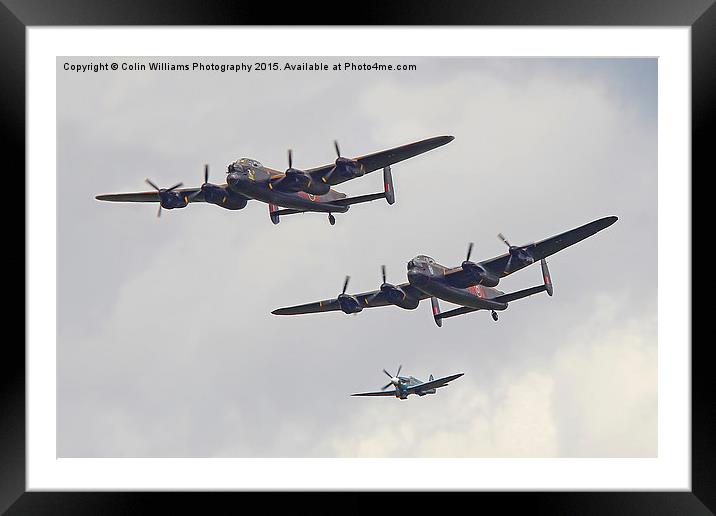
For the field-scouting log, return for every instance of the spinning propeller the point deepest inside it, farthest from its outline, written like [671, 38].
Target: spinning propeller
[206, 176]
[348, 303]
[209, 189]
[481, 275]
[346, 163]
[293, 175]
[345, 286]
[394, 380]
[517, 253]
[386, 288]
[469, 252]
[162, 193]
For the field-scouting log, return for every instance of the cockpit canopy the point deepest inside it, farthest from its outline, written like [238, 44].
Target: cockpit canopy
[421, 258]
[243, 164]
[420, 261]
[248, 162]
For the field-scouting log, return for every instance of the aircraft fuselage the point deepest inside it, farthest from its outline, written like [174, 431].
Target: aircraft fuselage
[250, 178]
[401, 391]
[429, 277]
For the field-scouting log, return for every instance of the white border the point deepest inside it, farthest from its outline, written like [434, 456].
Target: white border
[671, 470]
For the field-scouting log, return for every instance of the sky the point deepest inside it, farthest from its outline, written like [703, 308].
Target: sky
[165, 342]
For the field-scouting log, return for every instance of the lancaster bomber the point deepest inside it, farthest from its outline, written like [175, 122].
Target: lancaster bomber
[470, 285]
[289, 192]
[406, 385]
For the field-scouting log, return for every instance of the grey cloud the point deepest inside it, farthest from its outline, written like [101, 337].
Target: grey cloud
[166, 345]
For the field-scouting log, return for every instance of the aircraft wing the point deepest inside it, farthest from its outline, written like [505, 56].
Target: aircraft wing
[152, 196]
[434, 384]
[379, 160]
[377, 393]
[329, 305]
[542, 249]
[372, 299]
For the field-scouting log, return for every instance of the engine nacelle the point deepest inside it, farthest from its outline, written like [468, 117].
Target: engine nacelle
[344, 169]
[349, 304]
[396, 296]
[172, 199]
[481, 275]
[224, 197]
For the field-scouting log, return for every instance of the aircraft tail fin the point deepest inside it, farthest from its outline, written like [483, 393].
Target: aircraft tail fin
[273, 213]
[436, 311]
[520, 294]
[547, 278]
[431, 378]
[388, 193]
[388, 184]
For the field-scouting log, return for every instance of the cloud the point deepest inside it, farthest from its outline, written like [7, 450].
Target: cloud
[166, 345]
[595, 397]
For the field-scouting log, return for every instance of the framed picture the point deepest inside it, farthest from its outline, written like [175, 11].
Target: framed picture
[172, 345]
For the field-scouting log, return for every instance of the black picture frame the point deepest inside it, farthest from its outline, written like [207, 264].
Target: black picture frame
[16, 15]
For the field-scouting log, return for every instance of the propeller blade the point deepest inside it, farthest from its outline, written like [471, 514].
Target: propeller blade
[206, 173]
[469, 252]
[386, 386]
[399, 368]
[290, 158]
[502, 237]
[345, 284]
[149, 182]
[382, 268]
[387, 373]
[338, 150]
[159, 211]
[174, 187]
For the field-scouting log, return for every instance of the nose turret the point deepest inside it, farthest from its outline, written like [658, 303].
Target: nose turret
[417, 276]
[234, 174]
[233, 178]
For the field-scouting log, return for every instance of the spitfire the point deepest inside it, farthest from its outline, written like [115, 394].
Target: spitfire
[470, 285]
[403, 386]
[295, 190]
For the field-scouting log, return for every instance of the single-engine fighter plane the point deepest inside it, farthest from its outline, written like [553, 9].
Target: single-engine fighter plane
[406, 385]
[471, 285]
[289, 192]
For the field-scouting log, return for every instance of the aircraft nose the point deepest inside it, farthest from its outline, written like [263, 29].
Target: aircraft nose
[416, 277]
[233, 178]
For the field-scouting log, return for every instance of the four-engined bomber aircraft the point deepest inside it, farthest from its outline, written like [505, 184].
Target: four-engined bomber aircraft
[292, 191]
[470, 285]
[406, 385]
